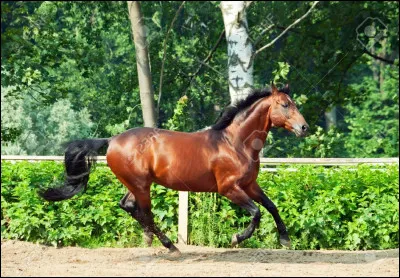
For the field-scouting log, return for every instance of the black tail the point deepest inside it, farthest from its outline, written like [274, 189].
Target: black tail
[79, 157]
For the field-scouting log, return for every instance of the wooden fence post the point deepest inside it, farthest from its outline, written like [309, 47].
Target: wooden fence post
[183, 217]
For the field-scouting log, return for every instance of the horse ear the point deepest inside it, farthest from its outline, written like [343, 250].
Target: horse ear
[273, 88]
[286, 89]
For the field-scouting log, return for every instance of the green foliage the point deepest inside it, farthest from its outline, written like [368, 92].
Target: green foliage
[41, 130]
[178, 120]
[282, 72]
[318, 144]
[93, 219]
[321, 144]
[77, 51]
[83, 53]
[331, 208]
[327, 62]
[121, 127]
[373, 121]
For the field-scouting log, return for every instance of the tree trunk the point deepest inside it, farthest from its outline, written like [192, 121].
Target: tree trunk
[143, 64]
[240, 49]
[375, 66]
[382, 66]
[331, 118]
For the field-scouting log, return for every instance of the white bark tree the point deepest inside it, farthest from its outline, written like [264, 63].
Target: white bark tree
[331, 118]
[143, 64]
[240, 49]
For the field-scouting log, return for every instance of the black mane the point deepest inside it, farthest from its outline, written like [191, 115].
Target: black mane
[231, 111]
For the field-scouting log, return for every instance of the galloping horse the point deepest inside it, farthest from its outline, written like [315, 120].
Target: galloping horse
[223, 159]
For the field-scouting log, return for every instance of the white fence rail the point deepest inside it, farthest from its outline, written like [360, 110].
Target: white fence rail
[184, 197]
[264, 160]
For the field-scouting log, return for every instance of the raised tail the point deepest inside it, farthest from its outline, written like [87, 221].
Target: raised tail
[80, 155]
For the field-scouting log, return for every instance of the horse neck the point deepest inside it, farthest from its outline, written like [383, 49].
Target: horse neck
[252, 126]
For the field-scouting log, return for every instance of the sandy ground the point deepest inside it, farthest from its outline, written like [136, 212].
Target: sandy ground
[28, 259]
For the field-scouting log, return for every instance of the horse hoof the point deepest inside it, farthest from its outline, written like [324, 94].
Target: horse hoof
[285, 241]
[175, 252]
[234, 240]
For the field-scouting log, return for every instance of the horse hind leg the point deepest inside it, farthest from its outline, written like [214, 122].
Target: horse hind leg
[151, 226]
[128, 203]
[140, 209]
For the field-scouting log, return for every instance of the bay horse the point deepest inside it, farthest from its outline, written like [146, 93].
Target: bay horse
[223, 159]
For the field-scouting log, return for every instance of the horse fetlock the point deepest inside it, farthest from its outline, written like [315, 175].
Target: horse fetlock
[174, 251]
[148, 238]
[235, 240]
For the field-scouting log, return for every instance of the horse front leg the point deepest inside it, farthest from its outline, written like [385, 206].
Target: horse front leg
[255, 192]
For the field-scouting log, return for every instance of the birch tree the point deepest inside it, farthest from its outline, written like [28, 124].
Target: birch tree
[143, 64]
[240, 49]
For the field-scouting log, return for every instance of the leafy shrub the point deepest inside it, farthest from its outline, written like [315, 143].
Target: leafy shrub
[318, 144]
[92, 219]
[323, 208]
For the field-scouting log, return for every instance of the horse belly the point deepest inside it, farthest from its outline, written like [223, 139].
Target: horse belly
[183, 170]
[195, 183]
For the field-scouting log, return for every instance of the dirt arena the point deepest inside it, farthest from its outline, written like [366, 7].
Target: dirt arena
[28, 259]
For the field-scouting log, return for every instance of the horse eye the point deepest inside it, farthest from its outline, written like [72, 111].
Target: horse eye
[285, 105]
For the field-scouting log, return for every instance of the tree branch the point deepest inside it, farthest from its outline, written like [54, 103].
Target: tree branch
[391, 62]
[257, 41]
[287, 29]
[32, 94]
[221, 36]
[299, 33]
[164, 55]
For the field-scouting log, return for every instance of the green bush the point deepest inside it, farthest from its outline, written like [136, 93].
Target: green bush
[323, 208]
[92, 219]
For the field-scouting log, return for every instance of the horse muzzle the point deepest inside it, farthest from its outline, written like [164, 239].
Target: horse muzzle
[301, 130]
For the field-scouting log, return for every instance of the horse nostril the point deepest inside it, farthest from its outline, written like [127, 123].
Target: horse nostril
[304, 128]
